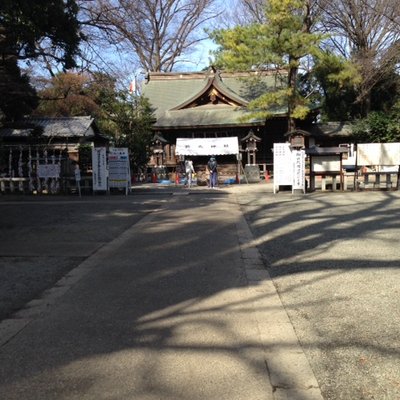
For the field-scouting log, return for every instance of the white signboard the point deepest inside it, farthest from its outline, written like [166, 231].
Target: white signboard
[299, 170]
[289, 167]
[207, 146]
[99, 166]
[48, 171]
[283, 173]
[118, 167]
[378, 154]
[326, 163]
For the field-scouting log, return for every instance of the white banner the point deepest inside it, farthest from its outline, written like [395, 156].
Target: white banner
[207, 146]
[99, 166]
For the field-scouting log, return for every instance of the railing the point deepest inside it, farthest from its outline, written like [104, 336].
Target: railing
[65, 185]
[377, 180]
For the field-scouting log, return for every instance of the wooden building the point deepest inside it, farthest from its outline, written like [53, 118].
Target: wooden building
[65, 133]
[34, 142]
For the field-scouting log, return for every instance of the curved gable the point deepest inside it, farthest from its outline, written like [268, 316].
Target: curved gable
[213, 93]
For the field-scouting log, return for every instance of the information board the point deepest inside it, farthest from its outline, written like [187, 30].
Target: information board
[289, 167]
[326, 163]
[118, 168]
[378, 154]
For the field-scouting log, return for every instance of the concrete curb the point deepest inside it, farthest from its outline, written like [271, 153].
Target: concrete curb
[289, 371]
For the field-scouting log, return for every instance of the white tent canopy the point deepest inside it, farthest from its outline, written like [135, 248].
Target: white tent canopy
[207, 146]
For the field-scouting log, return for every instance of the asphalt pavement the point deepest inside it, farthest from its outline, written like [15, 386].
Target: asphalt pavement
[178, 305]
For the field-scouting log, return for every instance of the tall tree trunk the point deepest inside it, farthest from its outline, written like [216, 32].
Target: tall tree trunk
[292, 83]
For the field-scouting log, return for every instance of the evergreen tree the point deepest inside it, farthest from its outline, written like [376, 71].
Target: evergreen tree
[28, 29]
[17, 96]
[130, 118]
[279, 44]
[336, 80]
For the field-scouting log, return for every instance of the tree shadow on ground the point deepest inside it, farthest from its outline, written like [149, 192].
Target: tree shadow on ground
[333, 258]
[169, 314]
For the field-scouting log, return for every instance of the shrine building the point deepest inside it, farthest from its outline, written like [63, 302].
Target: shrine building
[195, 111]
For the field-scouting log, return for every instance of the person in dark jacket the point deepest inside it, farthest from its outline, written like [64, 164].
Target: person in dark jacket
[212, 168]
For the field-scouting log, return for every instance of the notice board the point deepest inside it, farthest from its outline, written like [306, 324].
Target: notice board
[378, 154]
[283, 174]
[118, 168]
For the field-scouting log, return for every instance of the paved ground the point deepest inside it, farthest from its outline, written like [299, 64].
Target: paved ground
[172, 308]
[42, 238]
[197, 312]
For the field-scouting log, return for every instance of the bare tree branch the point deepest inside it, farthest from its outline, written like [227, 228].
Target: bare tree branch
[157, 32]
[367, 32]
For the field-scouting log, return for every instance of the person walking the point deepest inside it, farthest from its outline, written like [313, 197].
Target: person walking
[212, 168]
[189, 171]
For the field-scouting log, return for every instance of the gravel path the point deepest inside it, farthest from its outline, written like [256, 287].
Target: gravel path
[335, 260]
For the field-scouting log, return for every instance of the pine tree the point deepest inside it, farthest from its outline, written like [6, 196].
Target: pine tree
[279, 44]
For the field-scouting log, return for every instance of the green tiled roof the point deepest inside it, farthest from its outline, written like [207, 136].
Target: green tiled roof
[167, 94]
[170, 93]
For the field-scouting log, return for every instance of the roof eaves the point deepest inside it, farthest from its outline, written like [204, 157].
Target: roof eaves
[64, 126]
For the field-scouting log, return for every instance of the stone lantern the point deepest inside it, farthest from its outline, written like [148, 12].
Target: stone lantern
[251, 169]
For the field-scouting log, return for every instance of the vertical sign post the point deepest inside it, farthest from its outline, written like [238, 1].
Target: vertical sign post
[299, 175]
[99, 166]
